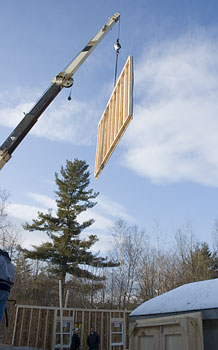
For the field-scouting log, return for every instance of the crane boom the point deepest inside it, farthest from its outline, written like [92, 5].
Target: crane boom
[63, 79]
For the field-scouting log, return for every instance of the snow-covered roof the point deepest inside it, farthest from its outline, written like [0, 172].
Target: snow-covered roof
[192, 296]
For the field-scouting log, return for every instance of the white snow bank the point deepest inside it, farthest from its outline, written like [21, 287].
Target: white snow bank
[192, 296]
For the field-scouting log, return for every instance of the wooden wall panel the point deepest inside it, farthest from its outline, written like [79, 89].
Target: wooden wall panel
[116, 117]
[39, 327]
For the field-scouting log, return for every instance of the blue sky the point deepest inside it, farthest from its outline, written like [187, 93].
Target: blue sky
[166, 166]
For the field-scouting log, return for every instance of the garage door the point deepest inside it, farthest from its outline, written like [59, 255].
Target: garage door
[182, 332]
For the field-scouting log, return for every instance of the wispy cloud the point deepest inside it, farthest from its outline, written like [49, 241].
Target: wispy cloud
[23, 212]
[63, 121]
[46, 201]
[174, 133]
[112, 208]
[104, 214]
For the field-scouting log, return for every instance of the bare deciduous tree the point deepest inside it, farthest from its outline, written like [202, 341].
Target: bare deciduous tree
[10, 238]
[127, 250]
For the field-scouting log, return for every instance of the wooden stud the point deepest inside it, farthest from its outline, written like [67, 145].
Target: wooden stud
[54, 329]
[21, 328]
[46, 327]
[38, 325]
[30, 326]
[83, 319]
[15, 325]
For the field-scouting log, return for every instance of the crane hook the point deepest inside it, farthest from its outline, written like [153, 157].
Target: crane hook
[117, 48]
[69, 97]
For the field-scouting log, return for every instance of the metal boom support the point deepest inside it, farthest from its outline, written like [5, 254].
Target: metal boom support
[63, 79]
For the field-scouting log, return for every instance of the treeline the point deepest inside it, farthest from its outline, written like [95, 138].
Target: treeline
[149, 266]
[147, 269]
[140, 265]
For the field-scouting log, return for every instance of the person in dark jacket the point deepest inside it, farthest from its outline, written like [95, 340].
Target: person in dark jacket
[75, 341]
[93, 340]
[6, 279]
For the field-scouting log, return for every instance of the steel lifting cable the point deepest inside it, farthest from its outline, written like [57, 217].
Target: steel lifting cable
[117, 48]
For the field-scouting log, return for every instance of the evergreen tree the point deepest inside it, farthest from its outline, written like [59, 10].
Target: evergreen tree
[66, 253]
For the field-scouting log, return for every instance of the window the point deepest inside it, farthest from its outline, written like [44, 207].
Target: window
[67, 332]
[117, 332]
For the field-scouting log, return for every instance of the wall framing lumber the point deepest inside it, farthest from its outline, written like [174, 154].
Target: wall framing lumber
[39, 327]
[31, 317]
[116, 117]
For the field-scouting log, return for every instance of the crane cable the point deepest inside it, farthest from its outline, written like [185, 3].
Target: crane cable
[117, 48]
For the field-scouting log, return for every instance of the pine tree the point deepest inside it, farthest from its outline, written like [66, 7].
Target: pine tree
[66, 253]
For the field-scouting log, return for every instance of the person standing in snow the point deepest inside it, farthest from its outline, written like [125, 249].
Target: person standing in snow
[6, 280]
[93, 340]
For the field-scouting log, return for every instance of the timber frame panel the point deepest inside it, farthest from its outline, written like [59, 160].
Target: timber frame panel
[37, 326]
[116, 117]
